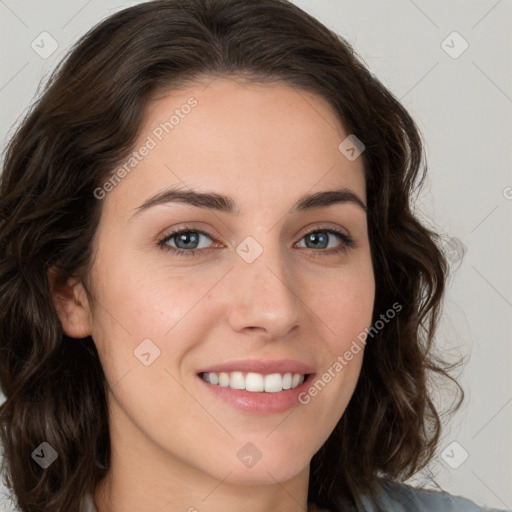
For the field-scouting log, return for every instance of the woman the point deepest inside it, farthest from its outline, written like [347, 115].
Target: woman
[214, 293]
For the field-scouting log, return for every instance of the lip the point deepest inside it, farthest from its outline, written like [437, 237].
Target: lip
[265, 367]
[259, 403]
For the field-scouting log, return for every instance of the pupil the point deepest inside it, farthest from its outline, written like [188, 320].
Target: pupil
[184, 236]
[315, 238]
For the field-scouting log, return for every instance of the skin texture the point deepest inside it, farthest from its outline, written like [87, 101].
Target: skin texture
[174, 445]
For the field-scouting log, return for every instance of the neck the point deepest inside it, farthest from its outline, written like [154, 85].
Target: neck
[113, 495]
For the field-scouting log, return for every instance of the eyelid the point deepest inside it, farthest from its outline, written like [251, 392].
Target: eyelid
[323, 227]
[183, 229]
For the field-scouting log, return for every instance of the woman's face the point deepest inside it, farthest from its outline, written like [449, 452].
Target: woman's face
[255, 294]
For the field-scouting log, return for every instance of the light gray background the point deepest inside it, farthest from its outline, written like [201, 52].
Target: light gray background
[463, 107]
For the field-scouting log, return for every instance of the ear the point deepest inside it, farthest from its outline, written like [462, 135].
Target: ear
[71, 303]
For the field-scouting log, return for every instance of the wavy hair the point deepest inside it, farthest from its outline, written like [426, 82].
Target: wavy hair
[85, 122]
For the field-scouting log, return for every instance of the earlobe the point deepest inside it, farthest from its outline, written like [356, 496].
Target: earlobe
[71, 304]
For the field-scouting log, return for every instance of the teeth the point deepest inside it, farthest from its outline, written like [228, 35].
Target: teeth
[236, 381]
[255, 382]
[223, 380]
[287, 380]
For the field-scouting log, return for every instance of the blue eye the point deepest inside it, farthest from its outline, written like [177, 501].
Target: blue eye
[318, 237]
[186, 240]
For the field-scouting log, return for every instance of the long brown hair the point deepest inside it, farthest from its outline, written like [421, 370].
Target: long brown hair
[85, 123]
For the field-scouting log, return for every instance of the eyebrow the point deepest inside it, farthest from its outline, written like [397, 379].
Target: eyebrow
[223, 203]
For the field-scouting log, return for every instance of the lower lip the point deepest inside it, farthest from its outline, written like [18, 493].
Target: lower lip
[261, 403]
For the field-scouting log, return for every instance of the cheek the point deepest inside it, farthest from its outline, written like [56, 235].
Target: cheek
[144, 299]
[343, 303]
[137, 301]
[344, 307]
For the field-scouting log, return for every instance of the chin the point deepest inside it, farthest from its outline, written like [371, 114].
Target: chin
[250, 466]
[265, 474]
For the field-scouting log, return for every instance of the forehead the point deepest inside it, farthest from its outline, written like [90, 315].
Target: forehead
[255, 141]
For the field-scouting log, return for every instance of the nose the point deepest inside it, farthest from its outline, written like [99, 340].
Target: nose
[265, 296]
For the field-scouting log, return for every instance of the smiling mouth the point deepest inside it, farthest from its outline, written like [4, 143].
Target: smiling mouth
[255, 382]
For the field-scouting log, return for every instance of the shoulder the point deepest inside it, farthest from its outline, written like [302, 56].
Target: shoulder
[405, 498]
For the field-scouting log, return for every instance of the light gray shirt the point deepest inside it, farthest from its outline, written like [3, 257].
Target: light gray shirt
[392, 498]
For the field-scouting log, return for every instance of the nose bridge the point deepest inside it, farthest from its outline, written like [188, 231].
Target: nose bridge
[264, 295]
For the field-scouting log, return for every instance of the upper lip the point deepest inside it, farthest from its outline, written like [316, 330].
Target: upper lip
[263, 366]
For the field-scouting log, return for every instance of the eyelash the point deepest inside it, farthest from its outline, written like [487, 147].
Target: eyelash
[347, 242]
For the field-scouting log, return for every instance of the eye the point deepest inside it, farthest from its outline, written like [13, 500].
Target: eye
[318, 238]
[186, 241]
